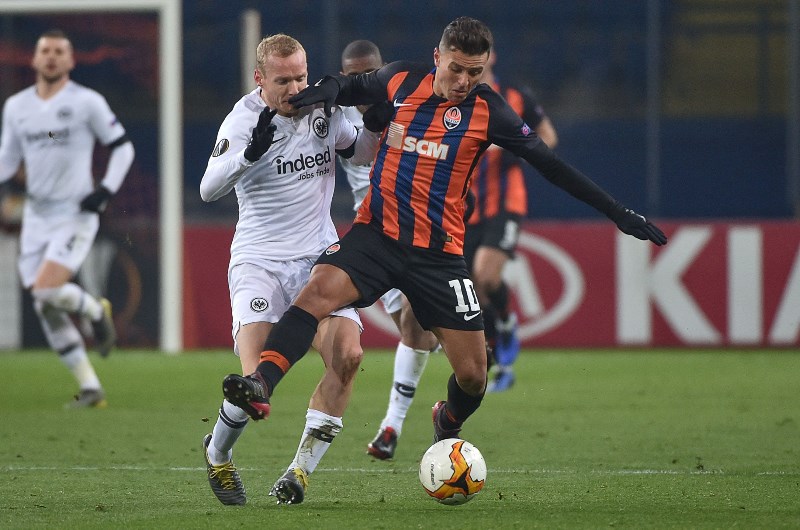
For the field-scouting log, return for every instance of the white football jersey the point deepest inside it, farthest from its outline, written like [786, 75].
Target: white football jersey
[357, 175]
[56, 138]
[285, 197]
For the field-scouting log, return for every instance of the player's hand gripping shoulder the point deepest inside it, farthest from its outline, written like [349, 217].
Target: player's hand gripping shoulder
[637, 226]
[325, 90]
[262, 136]
[378, 116]
[97, 200]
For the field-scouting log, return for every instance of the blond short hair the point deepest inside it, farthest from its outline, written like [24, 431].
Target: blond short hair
[279, 45]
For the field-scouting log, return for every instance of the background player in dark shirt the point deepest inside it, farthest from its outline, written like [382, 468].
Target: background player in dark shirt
[501, 203]
[409, 230]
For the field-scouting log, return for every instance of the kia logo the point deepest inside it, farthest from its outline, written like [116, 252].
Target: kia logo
[538, 313]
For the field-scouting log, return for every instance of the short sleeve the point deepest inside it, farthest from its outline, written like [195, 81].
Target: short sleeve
[103, 122]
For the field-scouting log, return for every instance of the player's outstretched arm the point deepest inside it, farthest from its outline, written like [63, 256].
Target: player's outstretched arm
[323, 91]
[637, 225]
[362, 89]
[585, 189]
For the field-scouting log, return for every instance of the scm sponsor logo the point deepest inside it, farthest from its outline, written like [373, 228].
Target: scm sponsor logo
[425, 148]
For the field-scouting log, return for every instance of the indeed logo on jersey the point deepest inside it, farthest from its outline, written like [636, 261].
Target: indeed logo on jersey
[396, 138]
[305, 164]
[55, 135]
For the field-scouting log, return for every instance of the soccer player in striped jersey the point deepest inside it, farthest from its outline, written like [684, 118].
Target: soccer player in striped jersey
[416, 344]
[409, 231]
[51, 128]
[281, 163]
[493, 228]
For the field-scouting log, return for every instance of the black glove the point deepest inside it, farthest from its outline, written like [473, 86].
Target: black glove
[325, 90]
[637, 226]
[97, 200]
[262, 135]
[378, 116]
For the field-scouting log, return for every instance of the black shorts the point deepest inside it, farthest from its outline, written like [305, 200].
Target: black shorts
[436, 283]
[500, 232]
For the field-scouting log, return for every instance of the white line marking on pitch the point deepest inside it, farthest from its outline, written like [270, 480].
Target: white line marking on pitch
[610, 472]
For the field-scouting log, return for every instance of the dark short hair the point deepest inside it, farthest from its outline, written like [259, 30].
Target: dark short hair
[54, 34]
[361, 48]
[467, 35]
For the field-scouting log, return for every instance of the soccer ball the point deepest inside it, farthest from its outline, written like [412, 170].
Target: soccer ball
[452, 471]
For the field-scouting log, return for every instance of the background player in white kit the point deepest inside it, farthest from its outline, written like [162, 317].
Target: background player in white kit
[281, 163]
[51, 128]
[416, 344]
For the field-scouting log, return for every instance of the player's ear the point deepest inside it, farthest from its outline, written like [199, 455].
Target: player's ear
[436, 56]
[257, 77]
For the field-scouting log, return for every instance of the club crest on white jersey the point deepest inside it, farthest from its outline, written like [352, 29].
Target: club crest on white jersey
[284, 198]
[259, 305]
[320, 126]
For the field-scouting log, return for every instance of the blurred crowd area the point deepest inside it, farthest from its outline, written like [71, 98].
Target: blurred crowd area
[723, 88]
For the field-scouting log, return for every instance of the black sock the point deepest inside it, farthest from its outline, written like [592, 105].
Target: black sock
[286, 344]
[460, 405]
[499, 299]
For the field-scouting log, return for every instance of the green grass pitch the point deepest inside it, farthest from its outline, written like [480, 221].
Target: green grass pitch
[600, 439]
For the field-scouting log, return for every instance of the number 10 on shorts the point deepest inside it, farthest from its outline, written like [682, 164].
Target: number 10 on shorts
[471, 302]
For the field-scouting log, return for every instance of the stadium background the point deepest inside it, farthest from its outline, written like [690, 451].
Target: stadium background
[686, 110]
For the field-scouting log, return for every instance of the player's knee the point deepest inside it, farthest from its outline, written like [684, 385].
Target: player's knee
[318, 299]
[45, 296]
[419, 339]
[353, 355]
[38, 305]
[473, 383]
[47, 313]
[485, 286]
[471, 377]
[347, 358]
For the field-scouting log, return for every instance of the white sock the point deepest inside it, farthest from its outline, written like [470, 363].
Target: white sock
[230, 425]
[319, 432]
[78, 363]
[60, 331]
[408, 367]
[71, 298]
[507, 324]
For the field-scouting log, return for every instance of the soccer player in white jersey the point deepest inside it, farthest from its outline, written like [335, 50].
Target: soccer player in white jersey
[281, 163]
[416, 344]
[51, 128]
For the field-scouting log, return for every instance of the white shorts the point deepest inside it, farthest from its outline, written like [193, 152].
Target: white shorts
[392, 301]
[66, 240]
[263, 292]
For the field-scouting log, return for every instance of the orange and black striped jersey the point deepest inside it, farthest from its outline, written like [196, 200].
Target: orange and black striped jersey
[499, 181]
[430, 149]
